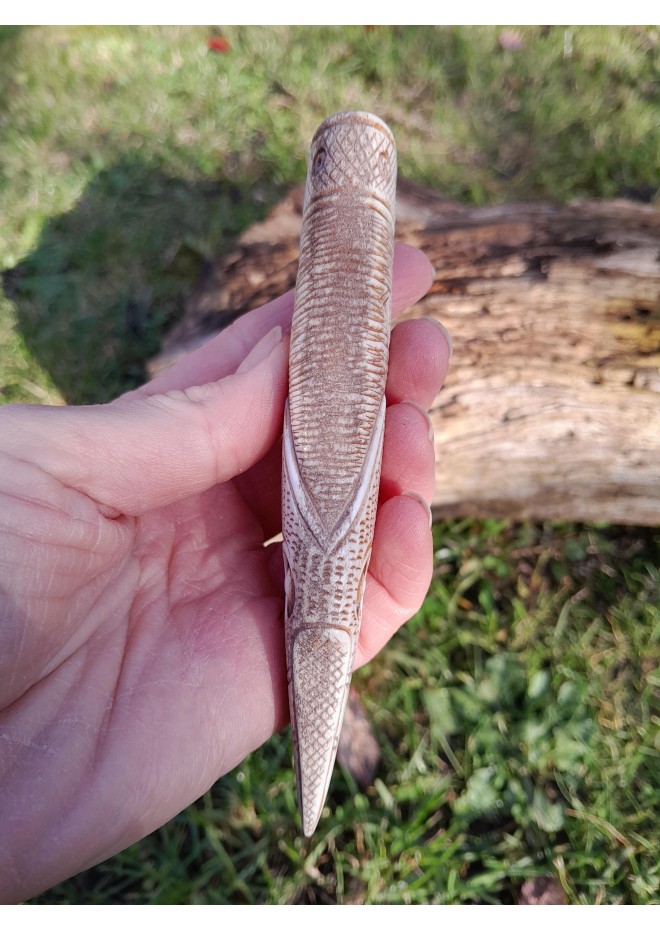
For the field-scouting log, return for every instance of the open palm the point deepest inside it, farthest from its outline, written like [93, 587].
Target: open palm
[141, 638]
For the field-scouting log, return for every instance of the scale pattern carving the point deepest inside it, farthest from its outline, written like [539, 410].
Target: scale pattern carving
[333, 432]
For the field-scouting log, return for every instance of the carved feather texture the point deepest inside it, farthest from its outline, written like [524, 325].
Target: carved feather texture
[333, 429]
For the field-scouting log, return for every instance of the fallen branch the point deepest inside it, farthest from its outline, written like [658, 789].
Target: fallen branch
[552, 406]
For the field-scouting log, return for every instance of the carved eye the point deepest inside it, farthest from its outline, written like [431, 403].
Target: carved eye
[363, 577]
[361, 583]
[289, 589]
[319, 161]
[289, 595]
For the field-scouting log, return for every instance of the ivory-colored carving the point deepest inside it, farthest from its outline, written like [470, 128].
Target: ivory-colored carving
[333, 429]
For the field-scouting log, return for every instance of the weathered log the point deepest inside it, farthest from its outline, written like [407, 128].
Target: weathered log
[552, 405]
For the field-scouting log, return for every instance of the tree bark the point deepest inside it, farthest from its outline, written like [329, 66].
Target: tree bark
[551, 409]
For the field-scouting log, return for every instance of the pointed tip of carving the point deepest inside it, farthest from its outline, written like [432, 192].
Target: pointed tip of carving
[320, 674]
[311, 801]
[310, 821]
[311, 794]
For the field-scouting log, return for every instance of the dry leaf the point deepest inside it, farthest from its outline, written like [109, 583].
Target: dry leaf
[544, 889]
[358, 751]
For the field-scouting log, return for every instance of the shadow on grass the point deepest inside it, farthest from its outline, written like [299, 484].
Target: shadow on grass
[109, 277]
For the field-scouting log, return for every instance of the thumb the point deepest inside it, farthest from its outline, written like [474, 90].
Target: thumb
[143, 452]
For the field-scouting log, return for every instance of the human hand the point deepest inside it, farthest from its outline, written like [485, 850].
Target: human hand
[141, 632]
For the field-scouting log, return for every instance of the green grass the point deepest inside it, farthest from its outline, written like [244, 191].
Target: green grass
[132, 156]
[513, 716]
[515, 713]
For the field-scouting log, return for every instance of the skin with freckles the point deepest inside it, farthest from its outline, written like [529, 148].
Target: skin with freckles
[141, 633]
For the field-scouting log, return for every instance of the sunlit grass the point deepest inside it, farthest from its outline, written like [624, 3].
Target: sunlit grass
[513, 744]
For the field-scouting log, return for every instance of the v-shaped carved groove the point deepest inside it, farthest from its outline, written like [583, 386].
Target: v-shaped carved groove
[357, 499]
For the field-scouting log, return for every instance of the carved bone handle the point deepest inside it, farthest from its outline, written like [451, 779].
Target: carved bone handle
[333, 429]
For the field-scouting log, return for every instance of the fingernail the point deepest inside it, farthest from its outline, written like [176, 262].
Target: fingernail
[261, 350]
[418, 497]
[445, 332]
[424, 413]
